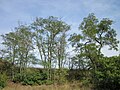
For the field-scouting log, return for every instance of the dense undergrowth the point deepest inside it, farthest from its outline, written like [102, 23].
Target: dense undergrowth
[106, 77]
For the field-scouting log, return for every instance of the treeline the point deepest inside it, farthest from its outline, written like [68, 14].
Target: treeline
[45, 42]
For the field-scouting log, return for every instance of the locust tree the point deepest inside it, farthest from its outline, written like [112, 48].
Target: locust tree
[94, 35]
[25, 46]
[10, 45]
[18, 47]
[97, 34]
[50, 40]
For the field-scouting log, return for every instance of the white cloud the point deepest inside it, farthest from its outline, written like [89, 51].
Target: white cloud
[109, 53]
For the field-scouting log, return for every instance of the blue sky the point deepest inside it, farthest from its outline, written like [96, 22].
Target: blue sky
[71, 11]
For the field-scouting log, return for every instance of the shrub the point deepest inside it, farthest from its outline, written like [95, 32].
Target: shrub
[3, 80]
[108, 74]
[61, 76]
[31, 78]
[86, 82]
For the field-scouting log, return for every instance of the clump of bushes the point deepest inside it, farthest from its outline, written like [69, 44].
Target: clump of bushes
[31, 78]
[107, 76]
[3, 80]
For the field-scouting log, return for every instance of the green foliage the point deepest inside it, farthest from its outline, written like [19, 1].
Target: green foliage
[95, 34]
[107, 76]
[61, 76]
[86, 82]
[31, 78]
[3, 80]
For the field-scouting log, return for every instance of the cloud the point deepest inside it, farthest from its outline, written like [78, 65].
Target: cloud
[107, 52]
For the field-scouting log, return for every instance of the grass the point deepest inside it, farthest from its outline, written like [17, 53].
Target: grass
[12, 86]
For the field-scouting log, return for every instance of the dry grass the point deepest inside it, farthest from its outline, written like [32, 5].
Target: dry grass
[12, 86]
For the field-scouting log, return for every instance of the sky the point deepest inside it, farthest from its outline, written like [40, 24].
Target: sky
[70, 11]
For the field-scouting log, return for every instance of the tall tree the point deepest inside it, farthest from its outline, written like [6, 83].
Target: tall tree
[98, 34]
[10, 51]
[19, 47]
[94, 36]
[50, 39]
[25, 45]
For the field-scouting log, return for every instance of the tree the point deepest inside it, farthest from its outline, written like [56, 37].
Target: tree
[94, 36]
[25, 46]
[18, 46]
[50, 39]
[10, 44]
[97, 34]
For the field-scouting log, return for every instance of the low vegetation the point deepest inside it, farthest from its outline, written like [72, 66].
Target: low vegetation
[3, 80]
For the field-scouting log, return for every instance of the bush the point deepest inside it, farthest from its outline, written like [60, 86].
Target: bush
[107, 76]
[3, 80]
[86, 82]
[31, 78]
[60, 76]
